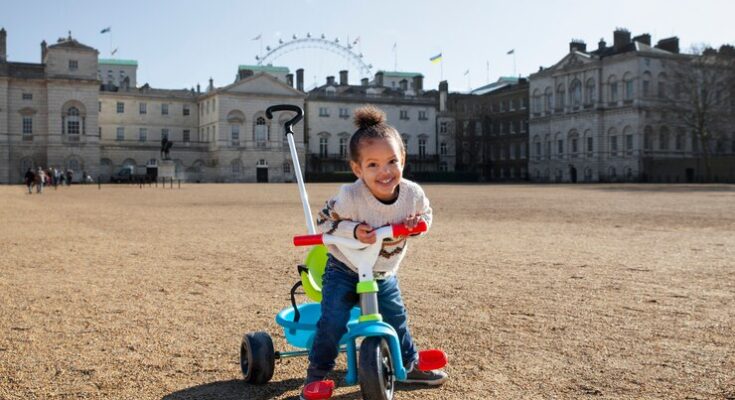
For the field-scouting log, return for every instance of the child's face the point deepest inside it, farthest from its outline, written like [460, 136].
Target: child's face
[380, 167]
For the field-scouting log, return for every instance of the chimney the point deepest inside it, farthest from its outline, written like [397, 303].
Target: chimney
[644, 38]
[443, 93]
[43, 51]
[3, 45]
[199, 89]
[669, 44]
[365, 81]
[601, 44]
[300, 79]
[211, 85]
[379, 79]
[289, 79]
[418, 83]
[621, 38]
[343, 78]
[577, 45]
[244, 73]
[403, 84]
[330, 80]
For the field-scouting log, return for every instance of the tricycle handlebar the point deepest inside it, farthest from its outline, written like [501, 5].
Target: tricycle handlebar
[396, 230]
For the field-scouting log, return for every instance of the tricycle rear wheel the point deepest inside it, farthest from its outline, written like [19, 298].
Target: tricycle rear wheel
[257, 357]
[375, 369]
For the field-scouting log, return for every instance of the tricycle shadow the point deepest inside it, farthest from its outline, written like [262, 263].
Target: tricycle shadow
[235, 389]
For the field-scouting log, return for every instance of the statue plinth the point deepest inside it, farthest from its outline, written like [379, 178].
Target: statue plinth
[166, 169]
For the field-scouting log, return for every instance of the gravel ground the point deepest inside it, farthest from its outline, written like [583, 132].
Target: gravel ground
[535, 292]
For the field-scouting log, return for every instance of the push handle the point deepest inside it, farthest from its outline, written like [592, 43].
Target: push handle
[286, 107]
[402, 230]
[307, 240]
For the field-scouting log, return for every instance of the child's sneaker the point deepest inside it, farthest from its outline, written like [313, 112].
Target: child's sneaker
[317, 390]
[431, 378]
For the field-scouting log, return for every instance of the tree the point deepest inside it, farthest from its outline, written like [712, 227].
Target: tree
[703, 98]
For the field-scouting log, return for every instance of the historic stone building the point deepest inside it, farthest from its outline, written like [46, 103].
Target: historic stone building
[329, 118]
[490, 130]
[75, 112]
[597, 116]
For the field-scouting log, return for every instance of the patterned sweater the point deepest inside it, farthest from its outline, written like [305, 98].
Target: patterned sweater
[355, 204]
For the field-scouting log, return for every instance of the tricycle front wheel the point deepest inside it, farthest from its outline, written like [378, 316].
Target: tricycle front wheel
[375, 370]
[257, 357]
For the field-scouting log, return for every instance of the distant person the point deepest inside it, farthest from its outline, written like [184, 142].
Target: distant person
[84, 177]
[69, 176]
[40, 180]
[28, 179]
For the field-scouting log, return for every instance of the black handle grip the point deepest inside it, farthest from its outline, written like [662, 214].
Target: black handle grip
[286, 107]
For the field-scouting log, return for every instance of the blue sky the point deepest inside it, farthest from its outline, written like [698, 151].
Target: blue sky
[181, 43]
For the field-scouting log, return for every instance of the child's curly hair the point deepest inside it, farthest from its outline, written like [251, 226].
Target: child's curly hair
[370, 122]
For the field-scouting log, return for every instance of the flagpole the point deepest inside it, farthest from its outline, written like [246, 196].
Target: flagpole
[514, 63]
[395, 56]
[488, 72]
[441, 66]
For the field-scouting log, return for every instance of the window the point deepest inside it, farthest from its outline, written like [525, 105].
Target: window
[422, 148]
[323, 147]
[120, 134]
[143, 108]
[286, 167]
[646, 88]
[613, 90]
[27, 96]
[404, 114]
[589, 96]
[443, 148]
[27, 128]
[680, 140]
[648, 138]
[590, 145]
[613, 145]
[73, 65]
[422, 116]
[663, 139]
[120, 107]
[142, 134]
[261, 132]
[443, 127]
[164, 133]
[343, 113]
[629, 144]
[323, 112]
[73, 121]
[343, 147]
[512, 151]
[575, 92]
[185, 110]
[560, 147]
[522, 147]
[235, 134]
[574, 145]
[538, 150]
[629, 90]
[236, 167]
[548, 99]
[560, 98]
[164, 109]
[187, 136]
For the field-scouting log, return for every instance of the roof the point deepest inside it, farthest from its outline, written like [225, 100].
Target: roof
[399, 74]
[359, 93]
[22, 70]
[70, 43]
[265, 68]
[147, 91]
[502, 82]
[113, 61]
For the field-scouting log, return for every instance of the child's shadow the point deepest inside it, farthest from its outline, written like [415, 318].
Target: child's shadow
[235, 389]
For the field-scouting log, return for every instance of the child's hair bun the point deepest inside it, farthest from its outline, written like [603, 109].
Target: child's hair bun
[368, 116]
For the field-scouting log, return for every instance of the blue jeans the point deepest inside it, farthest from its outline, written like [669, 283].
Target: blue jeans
[339, 284]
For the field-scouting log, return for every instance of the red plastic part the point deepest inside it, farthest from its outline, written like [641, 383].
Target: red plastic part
[307, 240]
[401, 230]
[318, 390]
[430, 360]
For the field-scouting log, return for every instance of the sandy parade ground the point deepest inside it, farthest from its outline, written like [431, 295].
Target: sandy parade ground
[534, 292]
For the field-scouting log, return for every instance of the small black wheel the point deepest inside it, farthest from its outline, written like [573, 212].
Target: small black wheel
[257, 357]
[375, 369]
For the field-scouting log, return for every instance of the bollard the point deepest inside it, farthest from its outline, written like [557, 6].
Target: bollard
[172, 183]
[179, 183]
[99, 182]
[156, 181]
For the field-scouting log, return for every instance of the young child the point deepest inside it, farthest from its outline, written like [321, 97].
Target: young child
[379, 197]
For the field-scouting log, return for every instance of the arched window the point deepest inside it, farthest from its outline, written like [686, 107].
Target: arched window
[628, 137]
[286, 168]
[260, 132]
[589, 92]
[575, 93]
[612, 135]
[628, 81]
[662, 85]
[647, 139]
[663, 138]
[612, 87]
[573, 141]
[548, 99]
[537, 147]
[236, 167]
[646, 84]
[589, 143]
[536, 102]
[680, 139]
[560, 97]
[73, 122]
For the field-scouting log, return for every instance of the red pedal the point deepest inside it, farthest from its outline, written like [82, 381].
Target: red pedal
[430, 360]
[319, 390]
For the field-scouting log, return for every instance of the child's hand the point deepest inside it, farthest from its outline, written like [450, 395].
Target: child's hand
[412, 221]
[365, 233]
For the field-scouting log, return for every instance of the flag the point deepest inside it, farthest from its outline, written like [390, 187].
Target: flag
[356, 41]
[394, 46]
[466, 72]
[114, 51]
[437, 58]
[511, 51]
[106, 30]
[258, 37]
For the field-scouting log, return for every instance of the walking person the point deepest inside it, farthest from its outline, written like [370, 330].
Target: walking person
[28, 179]
[40, 180]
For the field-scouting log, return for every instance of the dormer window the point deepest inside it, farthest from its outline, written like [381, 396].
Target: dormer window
[73, 65]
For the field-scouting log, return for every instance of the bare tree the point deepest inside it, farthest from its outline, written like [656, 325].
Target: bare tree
[703, 98]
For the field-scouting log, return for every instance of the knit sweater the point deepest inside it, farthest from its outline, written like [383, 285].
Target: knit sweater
[355, 204]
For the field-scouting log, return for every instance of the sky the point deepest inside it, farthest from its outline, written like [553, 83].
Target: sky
[181, 43]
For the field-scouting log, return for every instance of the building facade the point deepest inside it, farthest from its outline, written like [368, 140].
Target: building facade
[411, 110]
[598, 116]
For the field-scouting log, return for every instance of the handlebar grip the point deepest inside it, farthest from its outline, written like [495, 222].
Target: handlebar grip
[307, 240]
[401, 230]
[286, 107]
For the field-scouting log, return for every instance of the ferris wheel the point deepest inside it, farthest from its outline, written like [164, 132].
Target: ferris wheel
[346, 51]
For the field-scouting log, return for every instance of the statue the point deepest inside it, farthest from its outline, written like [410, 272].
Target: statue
[166, 148]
